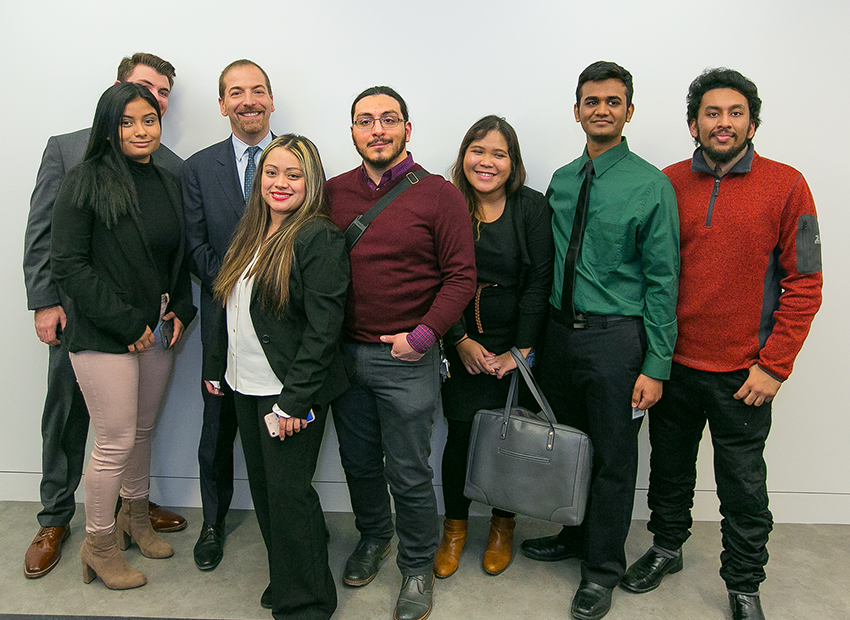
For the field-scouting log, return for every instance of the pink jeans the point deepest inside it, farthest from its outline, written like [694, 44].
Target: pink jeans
[123, 393]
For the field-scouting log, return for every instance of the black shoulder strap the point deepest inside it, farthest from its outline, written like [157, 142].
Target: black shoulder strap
[356, 229]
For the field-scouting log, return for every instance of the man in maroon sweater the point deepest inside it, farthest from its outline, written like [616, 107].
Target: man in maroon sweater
[412, 274]
[749, 287]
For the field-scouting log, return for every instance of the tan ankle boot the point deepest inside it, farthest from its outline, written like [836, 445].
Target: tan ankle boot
[134, 524]
[499, 545]
[448, 553]
[100, 556]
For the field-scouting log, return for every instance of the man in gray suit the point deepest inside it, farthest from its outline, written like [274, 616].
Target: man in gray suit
[65, 420]
[216, 184]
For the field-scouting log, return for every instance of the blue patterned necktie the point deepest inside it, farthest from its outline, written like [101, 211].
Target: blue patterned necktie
[250, 170]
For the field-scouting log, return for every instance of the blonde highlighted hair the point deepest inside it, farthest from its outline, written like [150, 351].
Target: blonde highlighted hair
[274, 262]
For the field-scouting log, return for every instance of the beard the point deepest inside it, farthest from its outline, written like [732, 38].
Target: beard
[384, 159]
[722, 156]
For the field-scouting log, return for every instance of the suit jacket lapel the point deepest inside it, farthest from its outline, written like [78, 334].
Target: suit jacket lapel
[228, 177]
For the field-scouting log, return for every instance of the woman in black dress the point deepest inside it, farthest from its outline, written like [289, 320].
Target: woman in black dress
[513, 254]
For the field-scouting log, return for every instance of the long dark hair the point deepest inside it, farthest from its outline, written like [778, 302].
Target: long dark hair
[274, 262]
[103, 178]
[516, 178]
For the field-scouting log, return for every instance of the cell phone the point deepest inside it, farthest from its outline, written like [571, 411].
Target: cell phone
[166, 331]
[273, 424]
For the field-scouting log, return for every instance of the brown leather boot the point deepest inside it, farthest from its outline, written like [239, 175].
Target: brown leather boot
[451, 545]
[134, 524]
[499, 545]
[100, 556]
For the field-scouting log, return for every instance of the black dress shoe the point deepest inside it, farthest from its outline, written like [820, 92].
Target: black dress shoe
[415, 598]
[548, 549]
[591, 601]
[745, 607]
[210, 546]
[646, 574]
[364, 562]
[266, 598]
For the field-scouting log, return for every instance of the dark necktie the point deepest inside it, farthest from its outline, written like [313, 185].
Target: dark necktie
[574, 249]
[250, 170]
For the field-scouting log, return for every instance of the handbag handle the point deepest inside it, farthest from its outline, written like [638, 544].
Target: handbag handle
[531, 382]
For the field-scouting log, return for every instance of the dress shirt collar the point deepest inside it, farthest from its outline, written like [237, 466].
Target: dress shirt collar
[742, 166]
[601, 163]
[240, 149]
[393, 173]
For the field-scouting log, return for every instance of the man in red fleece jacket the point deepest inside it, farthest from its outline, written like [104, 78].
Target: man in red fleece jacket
[412, 274]
[749, 287]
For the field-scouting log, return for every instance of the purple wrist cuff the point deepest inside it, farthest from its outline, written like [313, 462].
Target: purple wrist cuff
[421, 339]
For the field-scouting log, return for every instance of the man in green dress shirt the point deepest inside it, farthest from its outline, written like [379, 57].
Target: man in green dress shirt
[612, 324]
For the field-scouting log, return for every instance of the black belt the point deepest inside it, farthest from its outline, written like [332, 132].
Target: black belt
[587, 321]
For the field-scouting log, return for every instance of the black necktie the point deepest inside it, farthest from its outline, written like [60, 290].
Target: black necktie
[574, 249]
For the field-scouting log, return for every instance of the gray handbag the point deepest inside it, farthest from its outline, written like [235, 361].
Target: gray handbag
[526, 462]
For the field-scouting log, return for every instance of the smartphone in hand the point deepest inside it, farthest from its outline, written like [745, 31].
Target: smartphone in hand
[166, 331]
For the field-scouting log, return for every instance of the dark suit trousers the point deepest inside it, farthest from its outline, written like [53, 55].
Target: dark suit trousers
[64, 427]
[215, 455]
[588, 376]
[738, 434]
[287, 506]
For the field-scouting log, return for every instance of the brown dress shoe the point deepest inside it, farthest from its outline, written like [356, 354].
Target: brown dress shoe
[500, 545]
[44, 552]
[448, 553]
[163, 520]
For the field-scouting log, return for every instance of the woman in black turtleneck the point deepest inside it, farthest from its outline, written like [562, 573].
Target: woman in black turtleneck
[117, 256]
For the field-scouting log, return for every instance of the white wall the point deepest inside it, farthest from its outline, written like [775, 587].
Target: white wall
[453, 61]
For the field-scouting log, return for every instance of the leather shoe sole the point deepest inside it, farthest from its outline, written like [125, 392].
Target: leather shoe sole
[548, 549]
[591, 601]
[646, 574]
[366, 556]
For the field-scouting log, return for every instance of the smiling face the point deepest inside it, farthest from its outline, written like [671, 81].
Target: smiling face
[140, 131]
[723, 126]
[487, 165]
[380, 147]
[603, 113]
[247, 102]
[155, 82]
[284, 186]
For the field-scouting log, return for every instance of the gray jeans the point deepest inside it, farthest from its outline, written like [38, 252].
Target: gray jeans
[384, 424]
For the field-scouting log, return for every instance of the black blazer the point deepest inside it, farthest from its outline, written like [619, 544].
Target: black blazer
[302, 346]
[109, 275]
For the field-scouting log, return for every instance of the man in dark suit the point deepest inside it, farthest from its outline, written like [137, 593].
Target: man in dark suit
[216, 182]
[65, 420]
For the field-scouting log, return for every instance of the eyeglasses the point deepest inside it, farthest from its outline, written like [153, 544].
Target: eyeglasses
[387, 122]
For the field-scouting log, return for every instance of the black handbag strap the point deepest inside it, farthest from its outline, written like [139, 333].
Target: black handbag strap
[356, 229]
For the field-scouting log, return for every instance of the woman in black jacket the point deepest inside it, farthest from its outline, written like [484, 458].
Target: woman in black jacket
[282, 287]
[513, 256]
[117, 255]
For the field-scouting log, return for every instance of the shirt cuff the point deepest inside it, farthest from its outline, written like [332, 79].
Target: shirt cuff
[216, 384]
[421, 339]
[280, 413]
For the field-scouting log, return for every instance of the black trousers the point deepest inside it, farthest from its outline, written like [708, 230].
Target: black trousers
[738, 435]
[280, 475]
[588, 376]
[64, 427]
[215, 454]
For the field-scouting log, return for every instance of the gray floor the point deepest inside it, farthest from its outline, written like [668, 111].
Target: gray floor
[807, 577]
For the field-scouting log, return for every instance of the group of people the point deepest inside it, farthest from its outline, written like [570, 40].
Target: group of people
[689, 292]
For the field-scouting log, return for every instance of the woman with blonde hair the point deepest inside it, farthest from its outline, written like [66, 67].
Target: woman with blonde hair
[282, 289]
